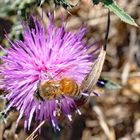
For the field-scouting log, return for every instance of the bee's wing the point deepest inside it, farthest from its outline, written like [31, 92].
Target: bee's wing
[92, 78]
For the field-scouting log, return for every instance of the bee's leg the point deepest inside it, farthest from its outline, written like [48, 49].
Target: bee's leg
[58, 109]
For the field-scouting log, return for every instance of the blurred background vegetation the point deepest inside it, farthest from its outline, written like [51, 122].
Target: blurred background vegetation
[115, 115]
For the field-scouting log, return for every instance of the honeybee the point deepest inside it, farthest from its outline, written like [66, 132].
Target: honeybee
[67, 86]
[51, 89]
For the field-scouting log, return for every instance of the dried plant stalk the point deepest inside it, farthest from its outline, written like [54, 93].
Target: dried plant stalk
[92, 78]
[33, 133]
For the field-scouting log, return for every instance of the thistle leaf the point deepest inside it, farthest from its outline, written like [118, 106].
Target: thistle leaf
[116, 9]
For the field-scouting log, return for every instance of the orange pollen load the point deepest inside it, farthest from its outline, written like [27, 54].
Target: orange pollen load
[68, 86]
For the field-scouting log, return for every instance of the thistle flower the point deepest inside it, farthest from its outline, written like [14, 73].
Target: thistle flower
[46, 54]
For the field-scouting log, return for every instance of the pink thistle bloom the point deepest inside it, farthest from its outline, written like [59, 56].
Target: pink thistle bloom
[46, 53]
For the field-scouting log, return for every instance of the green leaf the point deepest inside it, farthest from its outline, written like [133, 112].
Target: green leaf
[114, 7]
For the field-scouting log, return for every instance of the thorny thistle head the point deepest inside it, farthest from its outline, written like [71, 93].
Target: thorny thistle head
[49, 60]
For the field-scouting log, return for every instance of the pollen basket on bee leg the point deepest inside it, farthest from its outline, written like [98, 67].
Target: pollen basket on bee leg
[69, 87]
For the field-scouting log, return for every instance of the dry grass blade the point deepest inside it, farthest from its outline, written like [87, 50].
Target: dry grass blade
[110, 133]
[92, 78]
[32, 135]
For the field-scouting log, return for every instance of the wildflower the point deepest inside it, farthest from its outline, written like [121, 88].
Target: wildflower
[46, 54]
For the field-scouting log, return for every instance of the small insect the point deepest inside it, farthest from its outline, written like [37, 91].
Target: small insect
[51, 89]
[107, 84]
